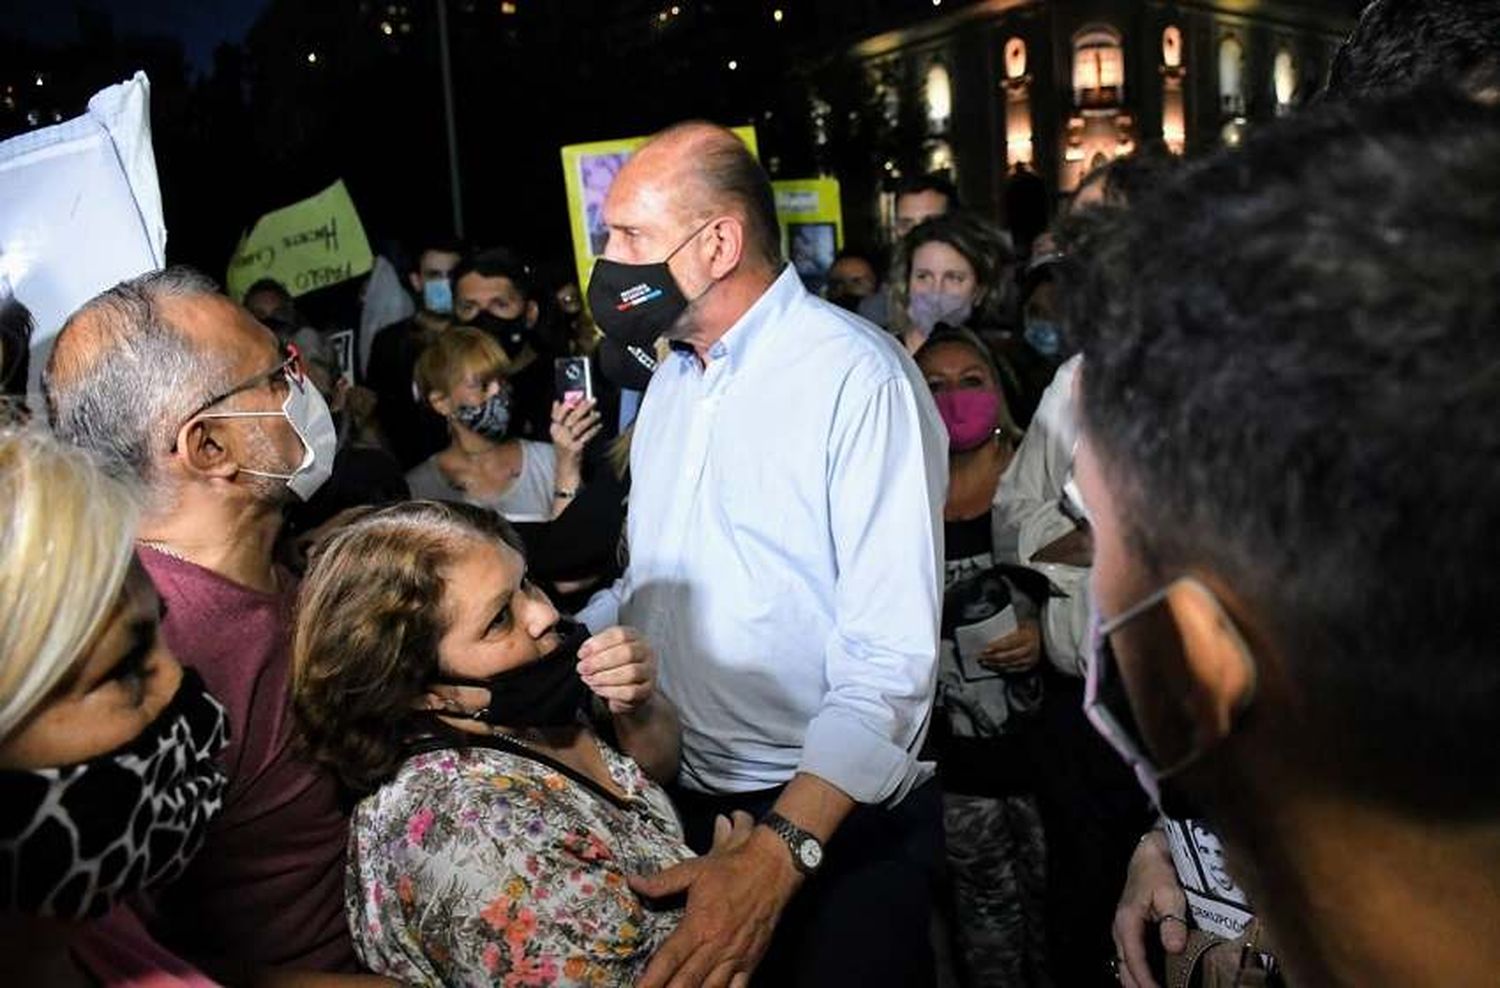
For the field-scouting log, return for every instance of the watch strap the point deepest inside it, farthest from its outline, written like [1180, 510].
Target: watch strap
[795, 839]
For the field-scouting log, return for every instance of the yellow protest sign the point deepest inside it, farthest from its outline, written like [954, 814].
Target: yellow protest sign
[812, 226]
[306, 246]
[588, 171]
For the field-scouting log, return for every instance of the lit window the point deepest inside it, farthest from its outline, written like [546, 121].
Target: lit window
[939, 97]
[1015, 58]
[1231, 76]
[1098, 68]
[1284, 75]
[1171, 47]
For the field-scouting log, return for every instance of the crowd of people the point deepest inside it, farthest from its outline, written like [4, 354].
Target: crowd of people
[1106, 608]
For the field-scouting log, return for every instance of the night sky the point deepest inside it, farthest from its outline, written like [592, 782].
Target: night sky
[199, 24]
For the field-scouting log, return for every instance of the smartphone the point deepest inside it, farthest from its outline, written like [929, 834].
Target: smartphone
[573, 379]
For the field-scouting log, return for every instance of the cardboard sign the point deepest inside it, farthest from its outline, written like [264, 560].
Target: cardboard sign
[306, 246]
[588, 172]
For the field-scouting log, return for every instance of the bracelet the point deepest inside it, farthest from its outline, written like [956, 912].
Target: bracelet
[564, 493]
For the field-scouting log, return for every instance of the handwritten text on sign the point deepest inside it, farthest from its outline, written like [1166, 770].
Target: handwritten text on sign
[306, 246]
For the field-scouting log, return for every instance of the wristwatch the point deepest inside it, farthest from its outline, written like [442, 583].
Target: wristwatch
[807, 850]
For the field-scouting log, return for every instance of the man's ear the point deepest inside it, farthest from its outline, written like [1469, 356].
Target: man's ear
[1218, 664]
[414, 279]
[533, 312]
[206, 450]
[726, 246]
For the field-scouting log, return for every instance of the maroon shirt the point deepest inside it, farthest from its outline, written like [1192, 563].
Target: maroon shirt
[268, 886]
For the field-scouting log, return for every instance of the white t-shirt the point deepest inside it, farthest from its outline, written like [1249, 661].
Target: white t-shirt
[529, 498]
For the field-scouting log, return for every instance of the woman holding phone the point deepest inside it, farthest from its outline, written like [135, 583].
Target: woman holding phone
[461, 377]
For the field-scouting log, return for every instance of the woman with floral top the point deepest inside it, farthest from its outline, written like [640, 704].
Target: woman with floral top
[497, 830]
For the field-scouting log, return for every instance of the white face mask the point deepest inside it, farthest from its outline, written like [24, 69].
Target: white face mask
[307, 413]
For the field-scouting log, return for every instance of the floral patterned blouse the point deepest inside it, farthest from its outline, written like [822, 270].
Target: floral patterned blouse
[477, 866]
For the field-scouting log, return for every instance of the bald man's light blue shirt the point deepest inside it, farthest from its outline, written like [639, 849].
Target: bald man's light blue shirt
[785, 539]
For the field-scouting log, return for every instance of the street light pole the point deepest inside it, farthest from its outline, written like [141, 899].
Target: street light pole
[448, 117]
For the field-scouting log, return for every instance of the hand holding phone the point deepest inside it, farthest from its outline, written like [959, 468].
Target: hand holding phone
[573, 380]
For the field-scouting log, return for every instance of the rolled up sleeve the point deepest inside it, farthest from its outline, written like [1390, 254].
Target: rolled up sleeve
[887, 484]
[1028, 515]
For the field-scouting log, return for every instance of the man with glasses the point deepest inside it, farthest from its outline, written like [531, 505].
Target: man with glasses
[1288, 457]
[183, 390]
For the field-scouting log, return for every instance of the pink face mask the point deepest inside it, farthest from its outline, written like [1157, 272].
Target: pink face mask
[971, 415]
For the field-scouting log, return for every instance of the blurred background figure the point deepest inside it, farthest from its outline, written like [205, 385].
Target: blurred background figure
[269, 301]
[496, 291]
[15, 356]
[852, 278]
[364, 473]
[410, 429]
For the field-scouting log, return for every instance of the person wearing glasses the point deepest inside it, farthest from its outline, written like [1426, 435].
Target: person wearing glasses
[182, 391]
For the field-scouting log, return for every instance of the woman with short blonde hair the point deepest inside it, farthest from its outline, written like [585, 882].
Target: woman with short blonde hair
[59, 579]
[461, 376]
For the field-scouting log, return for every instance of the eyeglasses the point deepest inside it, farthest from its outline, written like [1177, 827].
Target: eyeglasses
[291, 370]
[1106, 701]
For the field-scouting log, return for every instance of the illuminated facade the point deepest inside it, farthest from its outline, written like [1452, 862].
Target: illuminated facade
[1058, 87]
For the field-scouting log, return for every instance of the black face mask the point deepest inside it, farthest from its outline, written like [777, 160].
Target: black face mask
[509, 333]
[544, 693]
[629, 367]
[635, 303]
[76, 840]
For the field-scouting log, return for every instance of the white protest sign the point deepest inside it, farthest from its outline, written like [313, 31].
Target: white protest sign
[80, 209]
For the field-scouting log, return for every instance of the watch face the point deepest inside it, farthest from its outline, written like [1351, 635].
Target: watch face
[810, 854]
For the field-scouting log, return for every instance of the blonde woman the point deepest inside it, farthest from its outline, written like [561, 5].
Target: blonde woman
[108, 774]
[461, 376]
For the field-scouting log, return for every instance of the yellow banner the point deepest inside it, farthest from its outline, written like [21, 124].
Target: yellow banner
[306, 246]
[812, 226]
[588, 172]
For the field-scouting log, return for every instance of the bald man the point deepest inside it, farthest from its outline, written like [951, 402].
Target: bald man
[789, 473]
[182, 390]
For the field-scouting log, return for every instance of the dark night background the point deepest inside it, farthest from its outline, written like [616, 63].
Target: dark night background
[259, 103]
[244, 123]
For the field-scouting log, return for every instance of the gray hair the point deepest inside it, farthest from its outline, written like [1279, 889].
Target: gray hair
[123, 389]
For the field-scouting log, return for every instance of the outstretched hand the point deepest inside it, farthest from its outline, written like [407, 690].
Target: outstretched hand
[735, 895]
